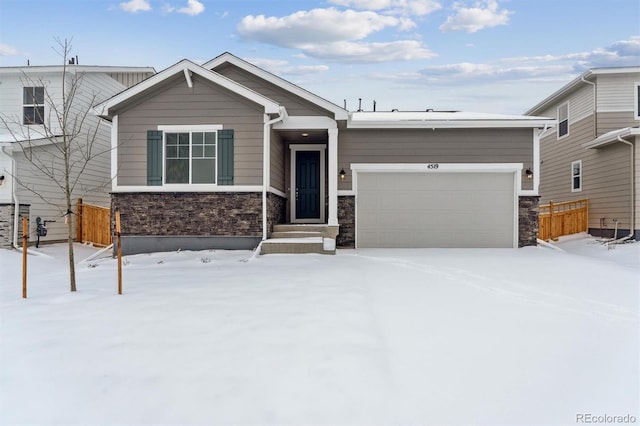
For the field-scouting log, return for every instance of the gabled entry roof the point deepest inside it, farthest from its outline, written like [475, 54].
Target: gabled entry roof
[187, 68]
[339, 113]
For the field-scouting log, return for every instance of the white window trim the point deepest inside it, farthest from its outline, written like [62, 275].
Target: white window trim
[558, 117]
[187, 129]
[579, 189]
[636, 96]
[34, 105]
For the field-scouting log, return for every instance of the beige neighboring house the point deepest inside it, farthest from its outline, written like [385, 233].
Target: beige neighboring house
[226, 155]
[28, 96]
[593, 152]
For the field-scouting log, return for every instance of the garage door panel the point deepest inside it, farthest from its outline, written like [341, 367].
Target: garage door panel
[435, 210]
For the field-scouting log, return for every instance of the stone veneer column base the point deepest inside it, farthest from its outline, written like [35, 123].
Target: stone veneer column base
[7, 219]
[347, 220]
[276, 211]
[528, 220]
[153, 221]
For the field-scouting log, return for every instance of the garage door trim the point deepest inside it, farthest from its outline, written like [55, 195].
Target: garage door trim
[439, 168]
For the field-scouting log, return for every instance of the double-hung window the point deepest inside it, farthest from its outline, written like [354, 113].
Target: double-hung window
[576, 176]
[190, 156]
[563, 120]
[33, 105]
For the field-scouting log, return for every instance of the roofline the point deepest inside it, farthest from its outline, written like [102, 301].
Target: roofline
[454, 124]
[185, 65]
[339, 113]
[74, 68]
[577, 81]
[611, 137]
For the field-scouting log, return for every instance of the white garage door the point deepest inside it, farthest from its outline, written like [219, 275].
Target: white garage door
[435, 209]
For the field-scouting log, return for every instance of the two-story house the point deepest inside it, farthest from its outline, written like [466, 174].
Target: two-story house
[593, 152]
[31, 102]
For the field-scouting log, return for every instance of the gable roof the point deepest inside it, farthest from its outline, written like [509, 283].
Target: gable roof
[186, 67]
[577, 82]
[339, 113]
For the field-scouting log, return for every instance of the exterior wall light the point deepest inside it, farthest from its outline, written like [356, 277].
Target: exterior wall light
[529, 174]
[342, 174]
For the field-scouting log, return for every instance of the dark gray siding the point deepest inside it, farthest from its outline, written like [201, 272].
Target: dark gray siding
[177, 104]
[434, 146]
[295, 105]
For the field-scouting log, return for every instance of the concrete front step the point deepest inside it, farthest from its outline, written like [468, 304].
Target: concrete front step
[295, 234]
[294, 246]
[325, 230]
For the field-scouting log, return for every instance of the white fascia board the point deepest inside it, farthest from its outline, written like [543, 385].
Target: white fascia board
[441, 167]
[339, 113]
[451, 124]
[183, 66]
[306, 122]
[611, 137]
[186, 188]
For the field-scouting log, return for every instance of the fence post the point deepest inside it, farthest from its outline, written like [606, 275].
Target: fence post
[551, 221]
[79, 221]
[119, 251]
[586, 206]
[25, 238]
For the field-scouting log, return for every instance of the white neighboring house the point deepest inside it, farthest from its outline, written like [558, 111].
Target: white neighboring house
[27, 99]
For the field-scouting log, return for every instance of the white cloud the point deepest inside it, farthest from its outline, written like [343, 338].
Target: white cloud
[345, 51]
[399, 7]
[334, 35]
[193, 8]
[314, 26]
[484, 14]
[134, 6]
[6, 50]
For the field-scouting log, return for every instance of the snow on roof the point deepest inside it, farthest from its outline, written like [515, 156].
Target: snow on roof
[444, 119]
[611, 137]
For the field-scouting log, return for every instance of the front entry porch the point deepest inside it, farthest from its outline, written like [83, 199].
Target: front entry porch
[301, 238]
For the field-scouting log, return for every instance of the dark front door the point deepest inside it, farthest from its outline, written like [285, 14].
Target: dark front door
[307, 184]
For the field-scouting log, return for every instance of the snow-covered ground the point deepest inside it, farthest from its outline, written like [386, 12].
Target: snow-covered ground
[370, 337]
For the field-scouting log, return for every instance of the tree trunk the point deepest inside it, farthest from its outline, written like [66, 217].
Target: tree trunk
[72, 263]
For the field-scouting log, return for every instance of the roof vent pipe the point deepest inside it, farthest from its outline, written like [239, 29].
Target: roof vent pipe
[359, 104]
[374, 106]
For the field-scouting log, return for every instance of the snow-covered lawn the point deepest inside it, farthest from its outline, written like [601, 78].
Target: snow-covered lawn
[389, 337]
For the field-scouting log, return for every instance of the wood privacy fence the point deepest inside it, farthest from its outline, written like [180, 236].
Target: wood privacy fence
[556, 220]
[93, 224]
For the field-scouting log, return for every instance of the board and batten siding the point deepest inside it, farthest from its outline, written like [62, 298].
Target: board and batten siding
[605, 174]
[177, 104]
[129, 79]
[294, 104]
[616, 91]
[434, 146]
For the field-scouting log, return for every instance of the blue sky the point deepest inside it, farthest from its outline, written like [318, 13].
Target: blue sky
[500, 56]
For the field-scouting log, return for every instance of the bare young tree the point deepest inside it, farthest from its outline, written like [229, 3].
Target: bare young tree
[68, 131]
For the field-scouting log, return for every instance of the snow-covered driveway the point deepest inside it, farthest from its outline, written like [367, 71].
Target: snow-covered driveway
[499, 336]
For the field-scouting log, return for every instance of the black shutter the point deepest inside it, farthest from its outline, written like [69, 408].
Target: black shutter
[225, 157]
[154, 157]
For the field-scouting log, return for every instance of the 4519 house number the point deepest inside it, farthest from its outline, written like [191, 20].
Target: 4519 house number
[433, 166]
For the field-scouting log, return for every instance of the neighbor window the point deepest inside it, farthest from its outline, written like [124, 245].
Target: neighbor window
[563, 120]
[576, 176]
[637, 101]
[33, 105]
[190, 157]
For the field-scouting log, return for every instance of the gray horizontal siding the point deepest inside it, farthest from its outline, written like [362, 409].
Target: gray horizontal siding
[277, 162]
[434, 146]
[616, 91]
[606, 174]
[177, 104]
[608, 121]
[295, 105]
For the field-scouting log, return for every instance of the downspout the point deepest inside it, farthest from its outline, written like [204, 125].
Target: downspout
[266, 172]
[632, 224]
[595, 106]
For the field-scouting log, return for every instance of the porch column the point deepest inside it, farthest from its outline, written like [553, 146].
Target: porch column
[333, 177]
